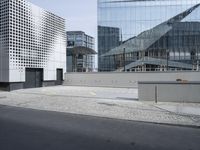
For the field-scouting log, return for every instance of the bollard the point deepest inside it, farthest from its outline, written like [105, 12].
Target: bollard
[156, 94]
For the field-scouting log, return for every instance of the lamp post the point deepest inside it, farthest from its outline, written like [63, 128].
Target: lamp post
[124, 58]
[167, 53]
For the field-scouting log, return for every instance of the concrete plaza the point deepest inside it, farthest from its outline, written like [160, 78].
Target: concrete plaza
[118, 103]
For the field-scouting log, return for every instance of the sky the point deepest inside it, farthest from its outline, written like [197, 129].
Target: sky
[79, 14]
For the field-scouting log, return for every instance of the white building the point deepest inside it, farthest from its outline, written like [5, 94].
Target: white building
[32, 46]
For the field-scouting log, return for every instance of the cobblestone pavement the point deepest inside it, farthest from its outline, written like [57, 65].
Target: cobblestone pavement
[118, 103]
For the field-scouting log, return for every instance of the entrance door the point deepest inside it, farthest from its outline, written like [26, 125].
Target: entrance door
[34, 78]
[39, 77]
[59, 80]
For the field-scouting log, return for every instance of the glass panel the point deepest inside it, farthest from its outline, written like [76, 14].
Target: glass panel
[148, 30]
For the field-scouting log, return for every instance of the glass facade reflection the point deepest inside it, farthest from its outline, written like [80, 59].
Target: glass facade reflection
[80, 52]
[148, 35]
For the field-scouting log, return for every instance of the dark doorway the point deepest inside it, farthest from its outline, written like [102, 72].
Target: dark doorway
[34, 78]
[59, 79]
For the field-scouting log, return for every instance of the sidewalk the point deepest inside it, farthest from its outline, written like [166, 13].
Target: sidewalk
[103, 102]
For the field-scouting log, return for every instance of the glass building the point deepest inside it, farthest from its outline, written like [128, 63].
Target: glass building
[80, 52]
[148, 35]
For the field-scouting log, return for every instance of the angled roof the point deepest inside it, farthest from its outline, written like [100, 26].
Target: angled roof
[81, 50]
[144, 40]
[158, 62]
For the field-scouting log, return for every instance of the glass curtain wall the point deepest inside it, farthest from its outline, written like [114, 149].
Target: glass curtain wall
[148, 35]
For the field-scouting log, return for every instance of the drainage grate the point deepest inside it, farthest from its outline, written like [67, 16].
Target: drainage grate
[3, 97]
[126, 98]
[107, 104]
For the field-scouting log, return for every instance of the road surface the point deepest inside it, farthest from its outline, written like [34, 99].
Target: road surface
[27, 129]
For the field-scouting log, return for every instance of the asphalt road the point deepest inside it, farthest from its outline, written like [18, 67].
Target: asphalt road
[26, 129]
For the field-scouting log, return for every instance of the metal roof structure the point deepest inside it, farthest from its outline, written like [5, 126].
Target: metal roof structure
[81, 50]
[158, 62]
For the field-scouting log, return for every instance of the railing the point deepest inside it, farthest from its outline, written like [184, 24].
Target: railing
[149, 69]
[158, 64]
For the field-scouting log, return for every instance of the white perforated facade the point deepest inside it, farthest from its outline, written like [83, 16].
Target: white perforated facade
[30, 37]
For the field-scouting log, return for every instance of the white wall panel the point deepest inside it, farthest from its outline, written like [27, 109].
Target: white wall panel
[39, 42]
[128, 80]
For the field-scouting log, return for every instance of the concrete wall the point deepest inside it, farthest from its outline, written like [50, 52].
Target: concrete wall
[128, 80]
[169, 91]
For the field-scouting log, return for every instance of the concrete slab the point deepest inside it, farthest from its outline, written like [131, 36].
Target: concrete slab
[86, 92]
[187, 109]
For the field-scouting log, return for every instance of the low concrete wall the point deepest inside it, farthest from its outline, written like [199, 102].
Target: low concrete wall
[11, 86]
[169, 91]
[127, 80]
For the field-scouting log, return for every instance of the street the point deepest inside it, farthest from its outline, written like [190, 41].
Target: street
[28, 129]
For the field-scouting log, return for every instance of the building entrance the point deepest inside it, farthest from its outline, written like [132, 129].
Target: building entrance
[34, 78]
[59, 79]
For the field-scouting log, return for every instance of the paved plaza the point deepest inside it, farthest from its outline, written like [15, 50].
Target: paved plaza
[118, 103]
